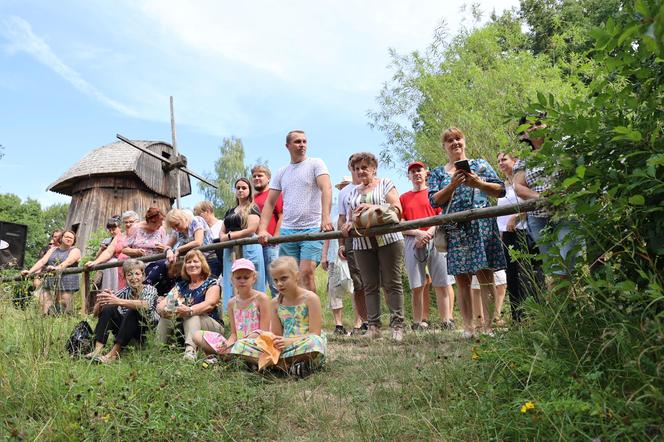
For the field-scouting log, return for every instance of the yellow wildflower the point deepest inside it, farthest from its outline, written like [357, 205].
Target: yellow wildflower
[527, 406]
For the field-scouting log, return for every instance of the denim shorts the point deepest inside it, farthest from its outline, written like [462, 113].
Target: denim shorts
[301, 250]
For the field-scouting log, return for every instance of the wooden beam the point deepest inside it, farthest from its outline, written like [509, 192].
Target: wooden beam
[466, 215]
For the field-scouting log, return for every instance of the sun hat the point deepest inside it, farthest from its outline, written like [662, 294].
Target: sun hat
[344, 181]
[243, 264]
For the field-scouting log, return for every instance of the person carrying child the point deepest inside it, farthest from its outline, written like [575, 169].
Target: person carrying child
[248, 313]
[298, 320]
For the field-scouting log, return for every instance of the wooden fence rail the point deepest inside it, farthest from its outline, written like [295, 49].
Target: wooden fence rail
[466, 215]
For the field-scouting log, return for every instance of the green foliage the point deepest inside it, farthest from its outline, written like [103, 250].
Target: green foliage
[473, 83]
[227, 169]
[589, 357]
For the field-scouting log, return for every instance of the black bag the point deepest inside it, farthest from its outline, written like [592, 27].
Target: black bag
[81, 340]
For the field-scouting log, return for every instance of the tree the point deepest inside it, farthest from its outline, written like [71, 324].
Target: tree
[227, 169]
[474, 82]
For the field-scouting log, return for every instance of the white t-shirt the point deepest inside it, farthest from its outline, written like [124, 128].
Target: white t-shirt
[343, 200]
[216, 228]
[302, 197]
[509, 198]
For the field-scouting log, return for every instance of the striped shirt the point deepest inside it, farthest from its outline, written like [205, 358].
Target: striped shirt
[148, 294]
[377, 196]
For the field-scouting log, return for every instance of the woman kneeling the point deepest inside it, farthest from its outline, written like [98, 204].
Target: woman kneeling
[127, 313]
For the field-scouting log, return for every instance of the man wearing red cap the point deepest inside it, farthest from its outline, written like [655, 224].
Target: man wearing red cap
[420, 254]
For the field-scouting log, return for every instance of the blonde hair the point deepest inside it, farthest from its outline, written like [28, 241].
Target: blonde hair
[205, 268]
[203, 206]
[261, 168]
[287, 263]
[178, 215]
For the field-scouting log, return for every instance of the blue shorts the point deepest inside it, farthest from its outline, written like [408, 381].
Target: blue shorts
[301, 250]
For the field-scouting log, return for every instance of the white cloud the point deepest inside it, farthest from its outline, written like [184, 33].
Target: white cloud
[19, 34]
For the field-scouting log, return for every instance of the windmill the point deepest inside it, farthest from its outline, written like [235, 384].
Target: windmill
[178, 162]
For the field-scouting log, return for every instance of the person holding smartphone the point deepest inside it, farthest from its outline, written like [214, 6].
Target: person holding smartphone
[474, 247]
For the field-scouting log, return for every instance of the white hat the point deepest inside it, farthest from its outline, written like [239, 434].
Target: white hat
[344, 181]
[3, 245]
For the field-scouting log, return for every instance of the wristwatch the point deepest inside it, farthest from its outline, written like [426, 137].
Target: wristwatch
[191, 311]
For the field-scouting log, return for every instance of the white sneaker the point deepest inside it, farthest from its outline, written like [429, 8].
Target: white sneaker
[189, 355]
[397, 334]
[467, 334]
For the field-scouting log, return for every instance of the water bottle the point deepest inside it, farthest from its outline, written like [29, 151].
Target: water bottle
[171, 300]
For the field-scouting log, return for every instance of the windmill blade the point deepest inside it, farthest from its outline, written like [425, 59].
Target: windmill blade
[143, 149]
[160, 158]
[198, 177]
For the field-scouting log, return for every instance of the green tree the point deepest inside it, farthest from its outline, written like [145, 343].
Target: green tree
[227, 169]
[474, 82]
[55, 216]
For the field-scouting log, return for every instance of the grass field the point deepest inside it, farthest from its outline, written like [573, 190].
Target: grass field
[366, 391]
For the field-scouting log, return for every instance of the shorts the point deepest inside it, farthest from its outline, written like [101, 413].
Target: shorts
[301, 250]
[417, 262]
[335, 295]
[499, 278]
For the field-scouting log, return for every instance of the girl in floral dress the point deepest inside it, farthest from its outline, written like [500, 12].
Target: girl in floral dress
[298, 320]
[248, 313]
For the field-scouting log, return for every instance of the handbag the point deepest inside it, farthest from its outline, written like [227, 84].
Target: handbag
[81, 339]
[376, 216]
[440, 235]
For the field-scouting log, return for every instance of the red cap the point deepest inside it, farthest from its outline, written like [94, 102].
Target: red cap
[416, 164]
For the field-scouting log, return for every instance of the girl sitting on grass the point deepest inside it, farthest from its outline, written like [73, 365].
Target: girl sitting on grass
[248, 313]
[297, 323]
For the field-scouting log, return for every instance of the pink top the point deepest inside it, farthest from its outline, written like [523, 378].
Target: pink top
[143, 239]
[247, 319]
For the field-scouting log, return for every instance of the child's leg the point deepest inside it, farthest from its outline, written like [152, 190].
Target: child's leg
[426, 299]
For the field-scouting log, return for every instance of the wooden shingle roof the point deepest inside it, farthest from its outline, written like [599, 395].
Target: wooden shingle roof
[121, 159]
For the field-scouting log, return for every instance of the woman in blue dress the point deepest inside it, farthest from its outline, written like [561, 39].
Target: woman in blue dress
[474, 247]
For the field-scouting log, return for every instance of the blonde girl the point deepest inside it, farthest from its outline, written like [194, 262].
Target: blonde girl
[248, 313]
[297, 321]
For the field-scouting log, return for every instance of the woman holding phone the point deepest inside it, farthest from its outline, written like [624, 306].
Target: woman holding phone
[474, 247]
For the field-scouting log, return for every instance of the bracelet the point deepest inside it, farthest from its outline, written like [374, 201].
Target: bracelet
[191, 311]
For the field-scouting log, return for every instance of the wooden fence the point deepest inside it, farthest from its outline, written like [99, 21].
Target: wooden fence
[467, 215]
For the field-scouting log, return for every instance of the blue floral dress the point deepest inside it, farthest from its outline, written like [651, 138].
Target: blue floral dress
[473, 245]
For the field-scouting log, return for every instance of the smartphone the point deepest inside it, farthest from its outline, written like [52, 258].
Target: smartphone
[462, 165]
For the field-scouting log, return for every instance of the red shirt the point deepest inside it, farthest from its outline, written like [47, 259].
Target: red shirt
[259, 199]
[415, 205]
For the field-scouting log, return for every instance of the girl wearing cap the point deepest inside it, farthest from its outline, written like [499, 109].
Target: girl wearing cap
[197, 299]
[248, 313]
[242, 222]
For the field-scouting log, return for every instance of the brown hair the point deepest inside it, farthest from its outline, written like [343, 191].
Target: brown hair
[289, 135]
[261, 168]
[453, 133]
[366, 157]
[205, 268]
[244, 210]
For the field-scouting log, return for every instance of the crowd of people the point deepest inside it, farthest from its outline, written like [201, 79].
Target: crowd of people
[268, 292]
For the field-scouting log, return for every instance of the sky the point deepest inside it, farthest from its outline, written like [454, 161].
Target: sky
[73, 74]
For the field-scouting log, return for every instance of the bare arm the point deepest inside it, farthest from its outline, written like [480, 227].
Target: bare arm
[275, 324]
[266, 214]
[325, 186]
[252, 227]
[39, 264]
[105, 255]
[280, 219]
[265, 311]
[521, 188]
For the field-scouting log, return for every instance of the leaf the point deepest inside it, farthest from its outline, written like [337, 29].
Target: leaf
[541, 98]
[581, 171]
[570, 181]
[637, 200]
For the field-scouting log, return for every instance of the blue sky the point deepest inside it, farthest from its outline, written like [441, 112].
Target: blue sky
[75, 73]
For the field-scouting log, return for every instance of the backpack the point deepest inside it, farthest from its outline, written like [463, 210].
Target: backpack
[81, 339]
